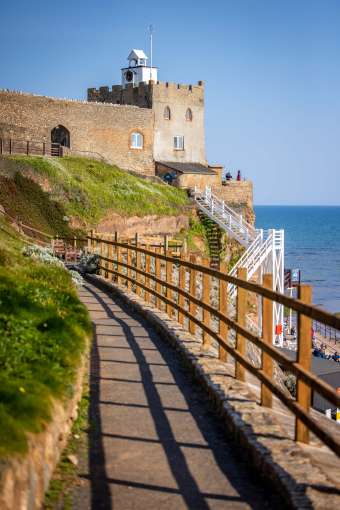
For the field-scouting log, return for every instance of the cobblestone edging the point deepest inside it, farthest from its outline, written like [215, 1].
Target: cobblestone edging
[25, 479]
[276, 457]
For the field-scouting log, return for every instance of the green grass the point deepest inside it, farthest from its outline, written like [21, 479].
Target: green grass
[82, 188]
[43, 330]
[196, 232]
[59, 494]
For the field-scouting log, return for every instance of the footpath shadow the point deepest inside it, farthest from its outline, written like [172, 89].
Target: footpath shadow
[100, 489]
[226, 454]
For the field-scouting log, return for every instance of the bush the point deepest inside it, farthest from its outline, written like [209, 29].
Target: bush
[43, 331]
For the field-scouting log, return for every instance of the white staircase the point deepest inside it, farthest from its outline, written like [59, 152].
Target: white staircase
[264, 250]
[225, 217]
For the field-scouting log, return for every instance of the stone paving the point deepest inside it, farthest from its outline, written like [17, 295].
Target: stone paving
[154, 442]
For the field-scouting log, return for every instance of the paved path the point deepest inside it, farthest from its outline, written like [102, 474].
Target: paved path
[154, 444]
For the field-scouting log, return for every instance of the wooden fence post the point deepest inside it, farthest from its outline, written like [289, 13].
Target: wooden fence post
[181, 285]
[206, 299]
[147, 279]
[95, 243]
[223, 308]
[241, 308]
[192, 291]
[101, 249]
[117, 256]
[128, 261]
[267, 336]
[138, 276]
[119, 267]
[158, 275]
[304, 358]
[89, 242]
[165, 247]
[110, 263]
[168, 278]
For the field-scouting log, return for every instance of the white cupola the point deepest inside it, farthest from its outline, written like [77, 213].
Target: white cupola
[138, 70]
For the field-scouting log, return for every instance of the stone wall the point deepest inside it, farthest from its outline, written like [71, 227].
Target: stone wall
[179, 98]
[158, 96]
[235, 193]
[24, 479]
[199, 180]
[93, 127]
[239, 196]
[138, 96]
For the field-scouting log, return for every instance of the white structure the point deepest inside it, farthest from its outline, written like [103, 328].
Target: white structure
[264, 253]
[138, 70]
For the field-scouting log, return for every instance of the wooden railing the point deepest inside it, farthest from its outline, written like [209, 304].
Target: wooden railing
[33, 233]
[170, 283]
[30, 147]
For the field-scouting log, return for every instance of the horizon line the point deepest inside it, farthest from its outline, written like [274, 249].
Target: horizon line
[296, 205]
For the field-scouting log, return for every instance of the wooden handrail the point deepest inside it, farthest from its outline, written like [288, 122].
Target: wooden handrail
[317, 384]
[129, 268]
[309, 310]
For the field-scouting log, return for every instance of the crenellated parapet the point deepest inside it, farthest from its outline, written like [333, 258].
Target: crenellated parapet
[146, 93]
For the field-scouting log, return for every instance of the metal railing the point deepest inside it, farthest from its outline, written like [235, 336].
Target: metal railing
[264, 249]
[171, 284]
[217, 210]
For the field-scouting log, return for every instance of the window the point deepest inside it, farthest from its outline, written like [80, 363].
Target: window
[188, 115]
[136, 141]
[179, 143]
[167, 114]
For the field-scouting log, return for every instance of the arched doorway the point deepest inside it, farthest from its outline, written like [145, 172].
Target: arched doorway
[60, 135]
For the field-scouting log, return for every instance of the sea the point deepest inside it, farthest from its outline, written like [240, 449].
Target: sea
[312, 244]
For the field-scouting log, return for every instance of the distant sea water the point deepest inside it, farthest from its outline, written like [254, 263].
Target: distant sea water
[312, 244]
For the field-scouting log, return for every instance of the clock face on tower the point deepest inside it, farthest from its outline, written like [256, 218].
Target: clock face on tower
[129, 75]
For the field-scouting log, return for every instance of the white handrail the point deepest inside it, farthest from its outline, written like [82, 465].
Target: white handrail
[264, 248]
[225, 217]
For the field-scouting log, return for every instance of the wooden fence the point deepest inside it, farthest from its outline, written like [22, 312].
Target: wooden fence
[327, 332]
[170, 283]
[30, 147]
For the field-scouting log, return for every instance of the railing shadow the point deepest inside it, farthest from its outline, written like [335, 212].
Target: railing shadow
[224, 452]
[100, 489]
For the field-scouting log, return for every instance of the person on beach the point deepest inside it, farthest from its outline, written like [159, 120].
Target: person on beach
[238, 178]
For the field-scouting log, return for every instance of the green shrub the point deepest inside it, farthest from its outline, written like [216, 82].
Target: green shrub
[43, 331]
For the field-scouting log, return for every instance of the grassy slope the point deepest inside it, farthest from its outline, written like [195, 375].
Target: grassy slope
[79, 187]
[43, 327]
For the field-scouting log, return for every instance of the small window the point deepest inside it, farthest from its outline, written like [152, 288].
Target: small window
[188, 115]
[179, 143]
[167, 113]
[136, 141]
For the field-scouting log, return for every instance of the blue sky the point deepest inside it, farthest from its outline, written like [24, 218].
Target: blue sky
[271, 70]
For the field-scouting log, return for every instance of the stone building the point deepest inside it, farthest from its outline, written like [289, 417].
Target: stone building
[178, 112]
[86, 129]
[143, 125]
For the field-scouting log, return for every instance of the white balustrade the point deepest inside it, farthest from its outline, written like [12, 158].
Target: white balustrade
[264, 249]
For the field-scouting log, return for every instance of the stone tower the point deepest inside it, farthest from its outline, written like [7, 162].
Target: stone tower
[178, 110]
